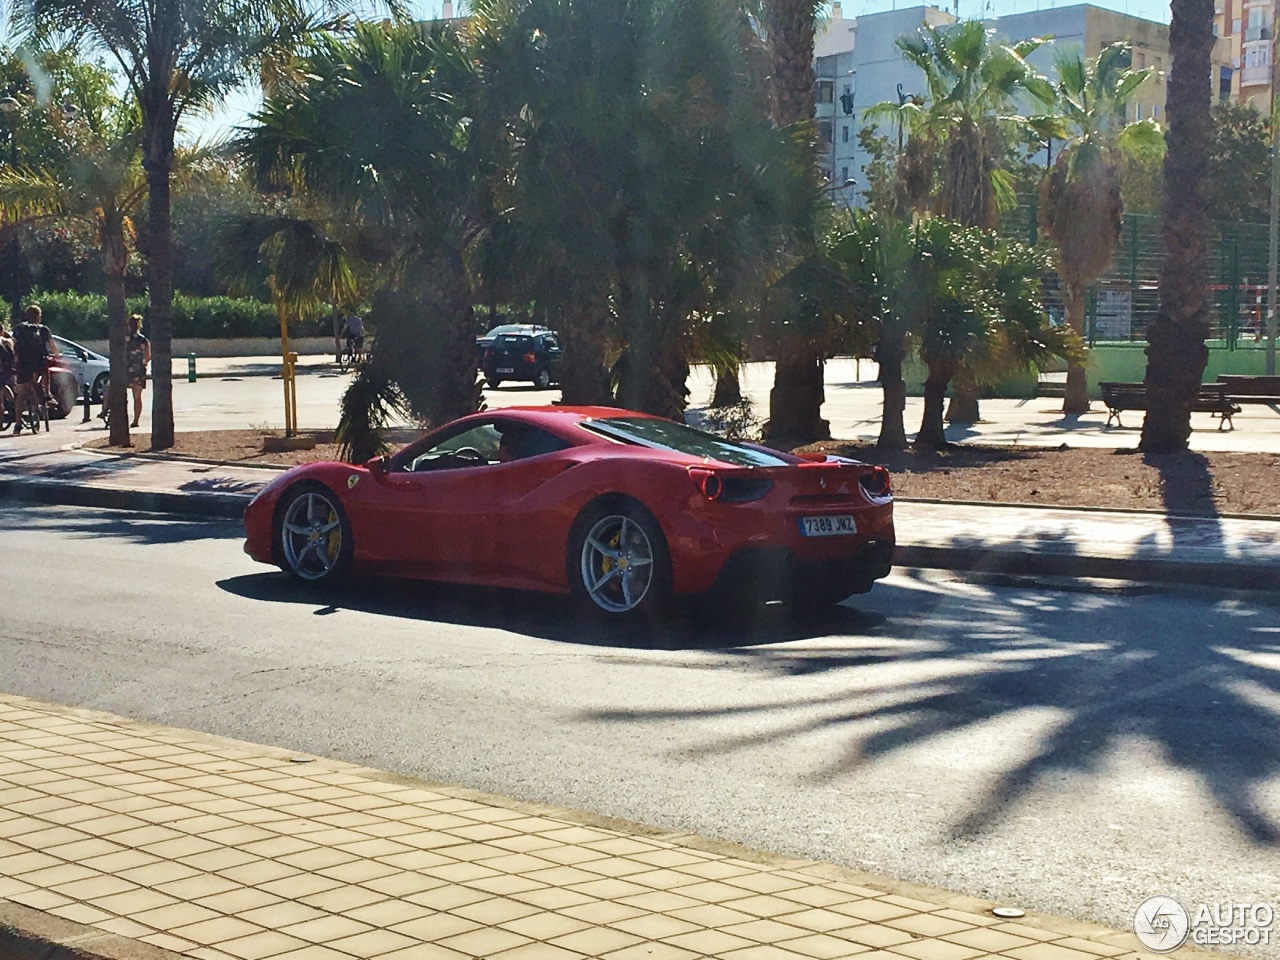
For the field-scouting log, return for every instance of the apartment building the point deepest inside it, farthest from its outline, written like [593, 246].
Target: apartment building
[858, 65]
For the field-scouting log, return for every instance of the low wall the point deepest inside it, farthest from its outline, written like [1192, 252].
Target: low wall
[1122, 362]
[237, 347]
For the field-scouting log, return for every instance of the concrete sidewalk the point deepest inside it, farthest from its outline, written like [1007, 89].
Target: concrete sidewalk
[125, 840]
[1222, 552]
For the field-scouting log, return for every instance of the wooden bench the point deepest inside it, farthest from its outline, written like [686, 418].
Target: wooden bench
[1212, 398]
[1245, 389]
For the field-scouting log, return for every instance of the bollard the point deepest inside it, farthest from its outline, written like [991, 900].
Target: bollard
[191, 368]
[87, 400]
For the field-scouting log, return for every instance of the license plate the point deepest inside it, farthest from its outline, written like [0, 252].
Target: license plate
[840, 525]
[506, 369]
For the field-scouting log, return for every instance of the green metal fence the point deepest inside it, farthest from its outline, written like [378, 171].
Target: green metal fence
[1125, 298]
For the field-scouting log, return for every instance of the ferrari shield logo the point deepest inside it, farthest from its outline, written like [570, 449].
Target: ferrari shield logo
[353, 480]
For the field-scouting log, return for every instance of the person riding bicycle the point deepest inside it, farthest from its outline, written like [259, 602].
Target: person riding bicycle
[33, 345]
[353, 332]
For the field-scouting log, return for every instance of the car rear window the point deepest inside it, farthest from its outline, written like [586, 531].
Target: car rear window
[668, 435]
[512, 340]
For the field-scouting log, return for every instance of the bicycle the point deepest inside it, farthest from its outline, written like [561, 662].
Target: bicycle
[352, 355]
[6, 407]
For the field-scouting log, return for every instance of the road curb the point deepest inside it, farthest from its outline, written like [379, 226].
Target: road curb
[27, 934]
[1234, 575]
[223, 506]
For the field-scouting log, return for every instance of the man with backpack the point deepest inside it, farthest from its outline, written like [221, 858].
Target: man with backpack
[33, 344]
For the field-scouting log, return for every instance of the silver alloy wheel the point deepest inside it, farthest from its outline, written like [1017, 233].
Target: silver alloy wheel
[311, 536]
[617, 563]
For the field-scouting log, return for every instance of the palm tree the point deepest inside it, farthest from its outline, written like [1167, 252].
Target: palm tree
[981, 313]
[1082, 206]
[176, 58]
[966, 117]
[1176, 351]
[381, 129]
[795, 402]
[643, 187]
[99, 181]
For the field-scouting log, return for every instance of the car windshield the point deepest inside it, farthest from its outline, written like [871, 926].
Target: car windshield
[667, 435]
[506, 328]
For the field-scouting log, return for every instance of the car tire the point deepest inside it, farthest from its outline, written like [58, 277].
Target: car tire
[312, 534]
[99, 389]
[609, 543]
[543, 380]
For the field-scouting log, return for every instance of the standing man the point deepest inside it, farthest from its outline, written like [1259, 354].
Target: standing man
[33, 344]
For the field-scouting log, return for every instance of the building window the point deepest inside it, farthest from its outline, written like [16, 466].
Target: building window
[844, 175]
[824, 131]
[1155, 112]
[826, 91]
[1137, 111]
[1235, 26]
[1140, 60]
[1224, 83]
[844, 133]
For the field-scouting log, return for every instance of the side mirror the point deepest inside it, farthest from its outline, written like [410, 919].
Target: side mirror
[83, 355]
[378, 465]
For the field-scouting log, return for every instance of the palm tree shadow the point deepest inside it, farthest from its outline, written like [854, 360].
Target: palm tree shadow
[1198, 692]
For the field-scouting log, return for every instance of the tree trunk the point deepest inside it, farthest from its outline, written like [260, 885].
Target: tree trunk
[1076, 399]
[1176, 351]
[893, 433]
[795, 402]
[157, 161]
[584, 380]
[932, 435]
[114, 262]
[728, 392]
[963, 407]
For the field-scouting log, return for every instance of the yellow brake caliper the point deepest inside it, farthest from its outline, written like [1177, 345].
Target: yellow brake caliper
[608, 563]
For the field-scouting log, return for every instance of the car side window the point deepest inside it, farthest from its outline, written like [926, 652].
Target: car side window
[471, 448]
[552, 343]
[528, 442]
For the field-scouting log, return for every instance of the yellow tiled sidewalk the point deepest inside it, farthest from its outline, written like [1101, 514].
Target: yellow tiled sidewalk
[224, 850]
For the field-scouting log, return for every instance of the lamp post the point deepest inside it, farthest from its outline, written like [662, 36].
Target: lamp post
[9, 107]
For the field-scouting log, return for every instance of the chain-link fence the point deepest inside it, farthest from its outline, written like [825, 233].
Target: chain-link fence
[1126, 297]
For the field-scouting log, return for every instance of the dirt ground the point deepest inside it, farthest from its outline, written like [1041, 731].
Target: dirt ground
[1191, 483]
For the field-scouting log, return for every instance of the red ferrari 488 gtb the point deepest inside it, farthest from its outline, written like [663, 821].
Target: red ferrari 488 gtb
[623, 510]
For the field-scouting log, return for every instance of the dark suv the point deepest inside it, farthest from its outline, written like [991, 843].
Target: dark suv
[530, 356]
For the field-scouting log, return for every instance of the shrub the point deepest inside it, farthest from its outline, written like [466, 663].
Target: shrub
[84, 317]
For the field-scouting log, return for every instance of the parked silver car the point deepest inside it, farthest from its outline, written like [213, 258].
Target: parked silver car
[91, 369]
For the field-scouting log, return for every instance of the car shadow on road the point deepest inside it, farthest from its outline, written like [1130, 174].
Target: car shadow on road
[549, 616]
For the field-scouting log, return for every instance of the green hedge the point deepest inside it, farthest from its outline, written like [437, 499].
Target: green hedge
[84, 317]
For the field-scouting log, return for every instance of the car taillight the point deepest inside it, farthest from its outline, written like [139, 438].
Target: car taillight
[729, 489]
[877, 483]
[488, 354]
[530, 358]
[707, 482]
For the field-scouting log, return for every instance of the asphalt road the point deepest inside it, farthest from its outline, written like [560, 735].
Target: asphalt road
[1067, 748]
